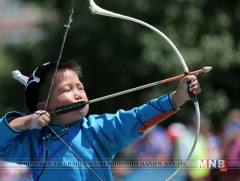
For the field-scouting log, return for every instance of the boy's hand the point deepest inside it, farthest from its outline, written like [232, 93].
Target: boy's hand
[37, 120]
[181, 95]
[40, 119]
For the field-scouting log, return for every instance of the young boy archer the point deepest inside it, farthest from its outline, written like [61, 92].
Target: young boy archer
[96, 138]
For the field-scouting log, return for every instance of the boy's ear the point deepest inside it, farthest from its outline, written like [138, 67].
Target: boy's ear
[41, 105]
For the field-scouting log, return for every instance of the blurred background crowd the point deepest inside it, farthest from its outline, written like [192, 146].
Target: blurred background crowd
[116, 54]
[174, 142]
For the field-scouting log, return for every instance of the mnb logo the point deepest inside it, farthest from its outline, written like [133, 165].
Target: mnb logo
[218, 164]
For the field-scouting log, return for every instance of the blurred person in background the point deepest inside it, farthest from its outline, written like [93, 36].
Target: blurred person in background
[176, 132]
[154, 147]
[207, 147]
[213, 143]
[14, 172]
[231, 145]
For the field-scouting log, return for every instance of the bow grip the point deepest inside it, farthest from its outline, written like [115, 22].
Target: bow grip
[191, 95]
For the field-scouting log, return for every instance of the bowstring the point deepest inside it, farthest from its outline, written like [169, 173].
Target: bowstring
[61, 50]
[52, 84]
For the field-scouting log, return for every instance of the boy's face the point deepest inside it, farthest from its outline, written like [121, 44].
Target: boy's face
[67, 89]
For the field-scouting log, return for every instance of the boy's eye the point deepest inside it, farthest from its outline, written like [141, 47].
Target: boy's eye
[66, 90]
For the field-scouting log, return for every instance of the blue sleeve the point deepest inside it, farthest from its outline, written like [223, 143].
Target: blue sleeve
[13, 145]
[118, 130]
[7, 132]
[155, 107]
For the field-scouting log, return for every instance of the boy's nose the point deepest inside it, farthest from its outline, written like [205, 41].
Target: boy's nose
[77, 96]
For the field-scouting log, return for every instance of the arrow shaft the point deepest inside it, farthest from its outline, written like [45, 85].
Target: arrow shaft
[81, 104]
[160, 82]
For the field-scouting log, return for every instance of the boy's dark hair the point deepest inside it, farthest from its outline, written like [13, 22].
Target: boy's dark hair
[39, 82]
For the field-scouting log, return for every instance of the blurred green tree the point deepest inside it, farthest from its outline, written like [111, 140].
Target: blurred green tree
[116, 54]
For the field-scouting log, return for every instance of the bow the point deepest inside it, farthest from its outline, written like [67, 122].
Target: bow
[100, 11]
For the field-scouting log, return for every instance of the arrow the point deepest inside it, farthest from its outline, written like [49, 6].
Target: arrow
[81, 104]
